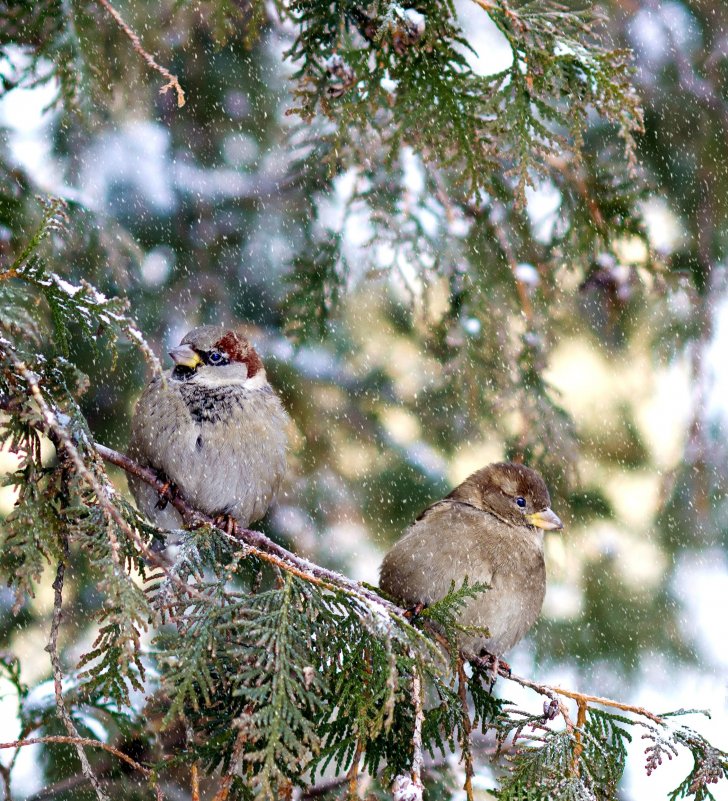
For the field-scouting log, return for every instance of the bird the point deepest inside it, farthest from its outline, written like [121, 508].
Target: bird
[214, 428]
[488, 529]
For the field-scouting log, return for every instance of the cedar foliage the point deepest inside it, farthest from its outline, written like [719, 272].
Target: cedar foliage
[257, 677]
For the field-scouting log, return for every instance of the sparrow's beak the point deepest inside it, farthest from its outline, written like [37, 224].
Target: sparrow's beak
[185, 356]
[546, 519]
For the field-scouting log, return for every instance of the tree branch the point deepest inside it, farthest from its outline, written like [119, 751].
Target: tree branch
[79, 742]
[465, 745]
[256, 541]
[62, 441]
[418, 760]
[279, 556]
[172, 81]
[52, 649]
[583, 699]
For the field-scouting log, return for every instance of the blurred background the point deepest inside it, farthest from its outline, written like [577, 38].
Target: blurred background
[603, 366]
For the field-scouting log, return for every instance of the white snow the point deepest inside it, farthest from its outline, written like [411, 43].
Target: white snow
[527, 274]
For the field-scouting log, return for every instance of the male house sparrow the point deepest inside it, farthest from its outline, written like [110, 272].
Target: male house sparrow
[489, 529]
[214, 427]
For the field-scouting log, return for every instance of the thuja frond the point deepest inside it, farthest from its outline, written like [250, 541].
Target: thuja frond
[189, 679]
[114, 663]
[51, 49]
[435, 103]
[267, 694]
[29, 532]
[710, 765]
[446, 612]
[544, 771]
[604, 752]
[70, 305]
[65, 500]
[488, 707]
[316, 282]
[361, 682]
[278, 685]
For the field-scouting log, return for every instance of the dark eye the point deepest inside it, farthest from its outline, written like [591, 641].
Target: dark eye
[215, 357]
[521, 502]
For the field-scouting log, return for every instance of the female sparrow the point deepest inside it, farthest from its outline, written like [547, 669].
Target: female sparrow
[490, 529]
[214, 427]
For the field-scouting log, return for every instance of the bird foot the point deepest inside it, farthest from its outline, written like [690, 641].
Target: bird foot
[167, 492]
[414, 611]
[226, 522]
[492, 665]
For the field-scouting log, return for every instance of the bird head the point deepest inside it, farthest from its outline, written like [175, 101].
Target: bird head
[212, 355]
[514, 493]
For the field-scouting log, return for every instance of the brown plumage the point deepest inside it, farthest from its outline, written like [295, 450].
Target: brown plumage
[214, 427]
[490, 529]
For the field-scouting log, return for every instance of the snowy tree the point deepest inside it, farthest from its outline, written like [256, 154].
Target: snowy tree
[420, 213]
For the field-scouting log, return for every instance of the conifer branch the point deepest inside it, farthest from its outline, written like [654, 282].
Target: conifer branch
[58, 434]
[417, 755]
[52, 649]
[263, 547]
[467, 727]
[79, 742]
[275, 554]
[584, 699]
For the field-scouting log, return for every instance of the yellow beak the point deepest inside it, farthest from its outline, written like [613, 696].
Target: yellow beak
[185, 356]
[546, 519]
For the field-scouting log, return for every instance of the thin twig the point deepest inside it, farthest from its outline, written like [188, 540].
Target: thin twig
[418, 760]
[550, 693]
[52, 649]
[582, 698]
[596, 699]
[172, 81]
[524, 297]
[195, 781]
[5, 773]
[227, 780]
[579, 747]
[62, 441]
[79, 742]
[64, 787]
[485, 5]
[467, 728]
[256, 541]
[352, 775]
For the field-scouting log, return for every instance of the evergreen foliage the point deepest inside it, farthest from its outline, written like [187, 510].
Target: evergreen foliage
[229, 665]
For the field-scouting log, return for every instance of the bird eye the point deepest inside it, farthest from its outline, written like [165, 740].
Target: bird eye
[215, 357]
[521, 502]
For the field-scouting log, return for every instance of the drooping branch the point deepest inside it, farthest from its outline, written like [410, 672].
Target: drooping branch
[465, 745]
[81, 742]
[172, 81]
[418, 760]
[64, 444]
[52, 649]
